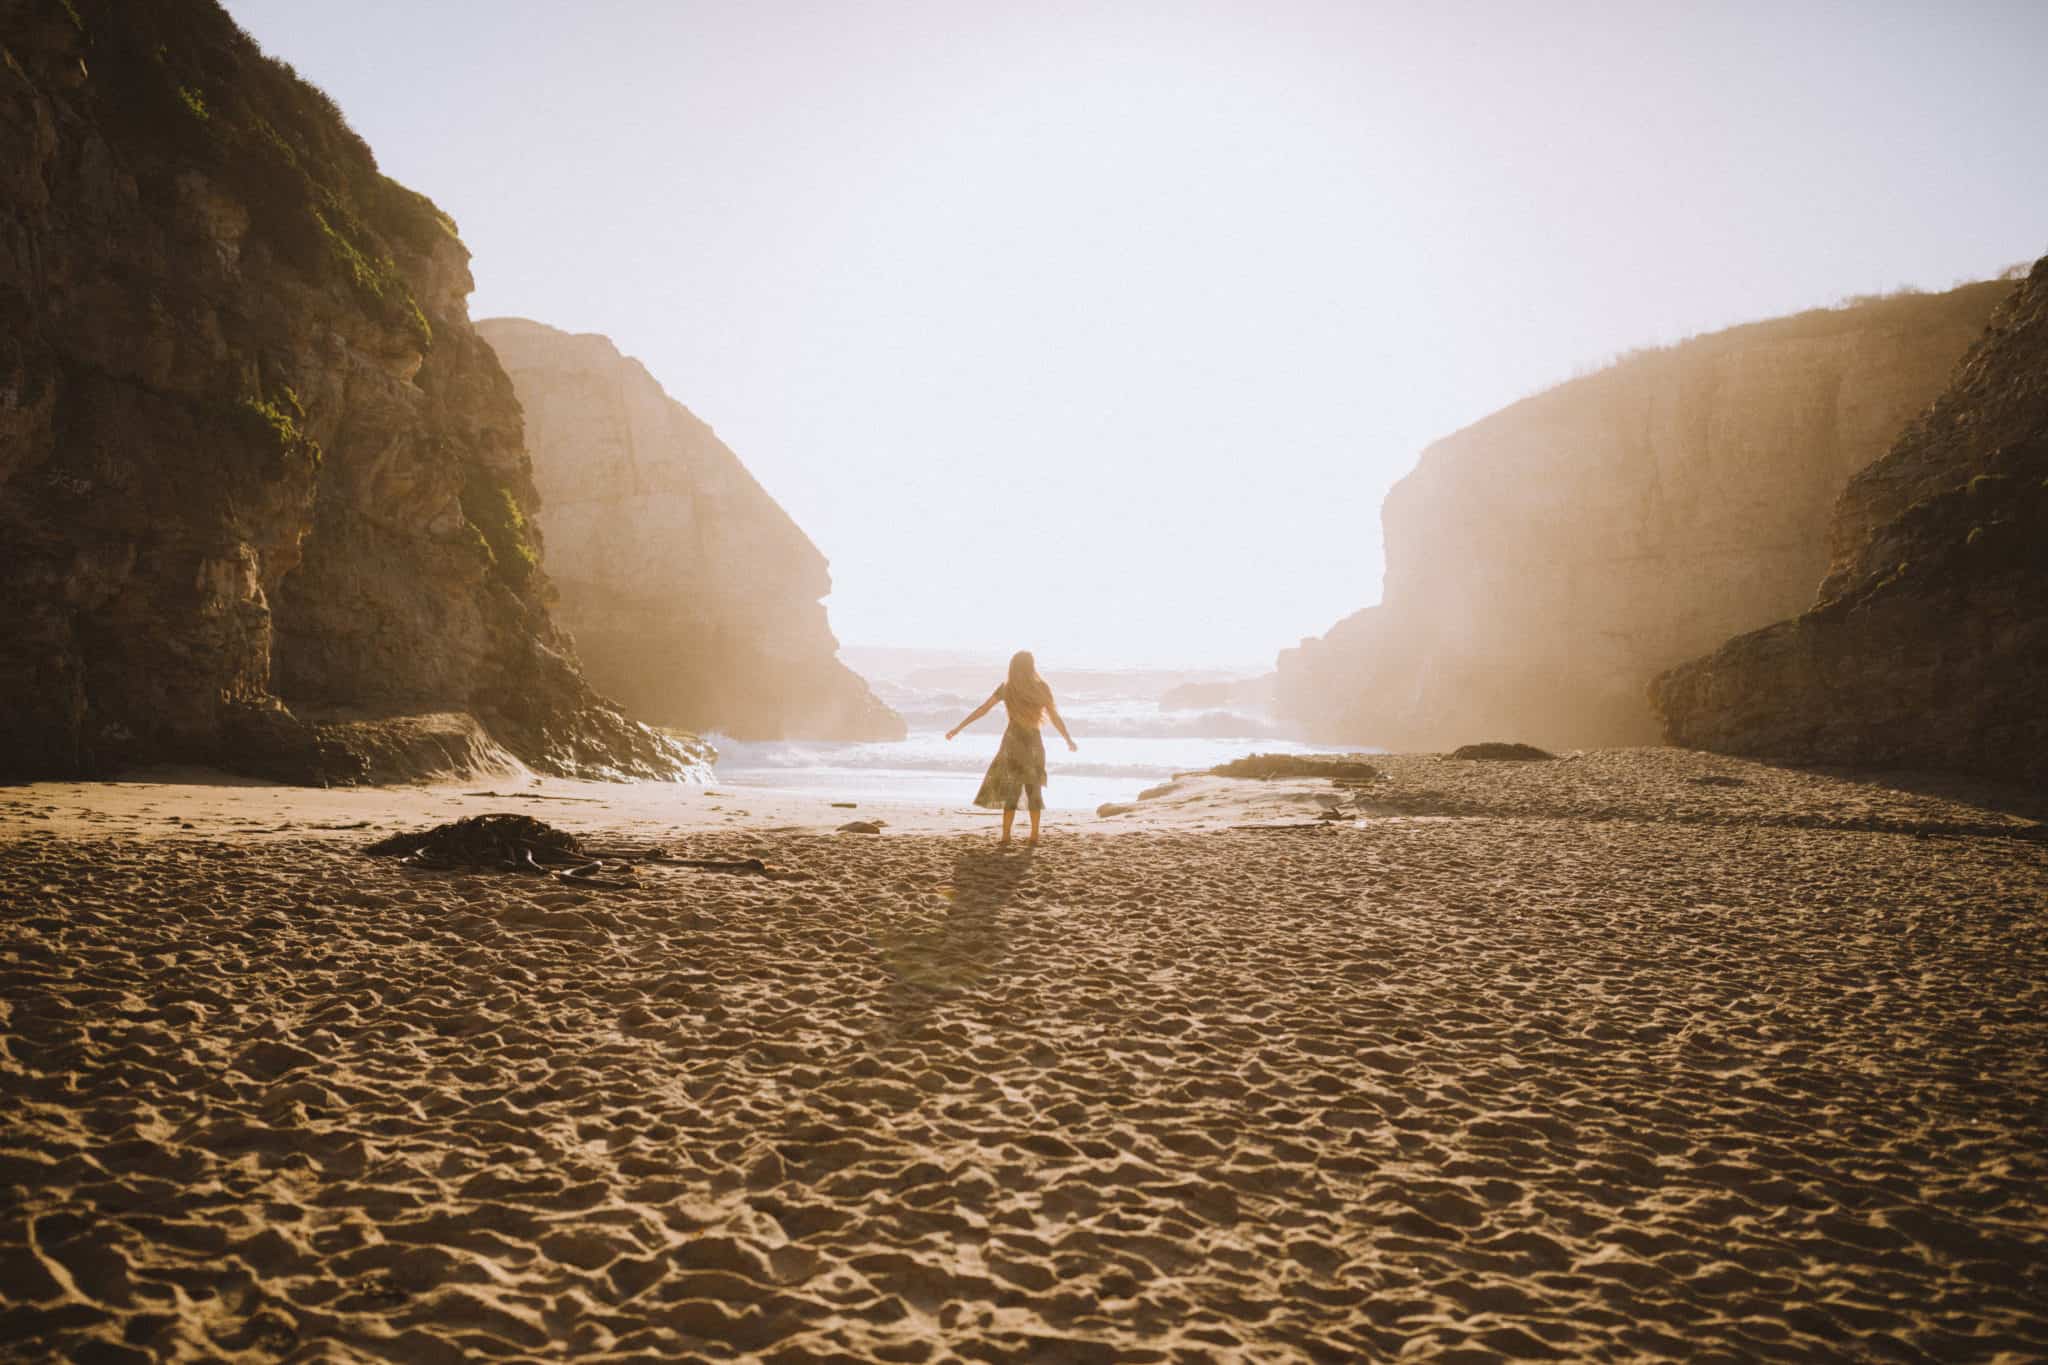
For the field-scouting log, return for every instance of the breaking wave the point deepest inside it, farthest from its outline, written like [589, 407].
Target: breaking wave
[1127, 744]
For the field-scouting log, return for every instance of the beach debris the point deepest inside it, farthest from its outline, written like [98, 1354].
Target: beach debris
[1262, 767]
[1498, 751]
[1332, 808]
[862, 827]
[745, 867]
[1109, 808]
[484, 840]
[537, 796]
[497, 843]
[846, 805]
[1283, 826]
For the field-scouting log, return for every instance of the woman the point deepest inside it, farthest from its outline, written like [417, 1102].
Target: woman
[1019, 764]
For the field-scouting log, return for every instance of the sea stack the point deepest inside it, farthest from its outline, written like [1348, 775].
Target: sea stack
[692, 596]
[264, 499]
[1545, 563]
[1928, 645]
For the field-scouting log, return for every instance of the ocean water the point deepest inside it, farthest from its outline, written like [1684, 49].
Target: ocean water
[1127, 743]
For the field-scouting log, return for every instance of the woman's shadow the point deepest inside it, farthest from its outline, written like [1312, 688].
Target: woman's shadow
[966, 941]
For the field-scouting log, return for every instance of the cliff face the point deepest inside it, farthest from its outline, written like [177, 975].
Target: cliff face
[1928, 647]
[1544, 564]
[263, 493]
[692, 596]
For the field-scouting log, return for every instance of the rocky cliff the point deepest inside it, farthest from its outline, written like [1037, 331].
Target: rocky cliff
[1928, 647]
[264, 501]
[692, 596]
[1544, 564]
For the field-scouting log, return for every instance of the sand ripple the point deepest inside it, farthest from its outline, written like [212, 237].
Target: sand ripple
[1504, 1086]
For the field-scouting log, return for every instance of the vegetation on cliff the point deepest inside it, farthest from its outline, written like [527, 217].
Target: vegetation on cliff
[493, 510]
[263, 490]
[182, 87]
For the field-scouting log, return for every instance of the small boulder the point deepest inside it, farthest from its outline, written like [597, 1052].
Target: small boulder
[1264, 766]
[1109, 808]
[861, 827]
[1495, 751]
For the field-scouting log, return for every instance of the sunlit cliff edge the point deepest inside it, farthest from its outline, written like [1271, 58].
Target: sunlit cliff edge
[1545, 563]
[1928, 646]
[264, 501]
[692, 596]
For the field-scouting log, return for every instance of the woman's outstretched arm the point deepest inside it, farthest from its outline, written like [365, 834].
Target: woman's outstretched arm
[1053, 712]
[977, 713]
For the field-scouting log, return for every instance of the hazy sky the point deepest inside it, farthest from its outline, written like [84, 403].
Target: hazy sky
[1102, 329]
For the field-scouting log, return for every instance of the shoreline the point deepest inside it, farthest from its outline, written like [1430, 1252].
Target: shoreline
[1636, 1053]
[1652, 785]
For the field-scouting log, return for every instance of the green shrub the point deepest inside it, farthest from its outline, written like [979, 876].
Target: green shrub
[412, 215]
[274, 141]
[377, 280]
[490, 507]
[274, 424]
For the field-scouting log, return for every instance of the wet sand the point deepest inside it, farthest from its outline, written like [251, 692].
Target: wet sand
[1645, 1054]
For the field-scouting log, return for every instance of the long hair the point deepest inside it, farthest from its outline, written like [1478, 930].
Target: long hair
[1025, 687]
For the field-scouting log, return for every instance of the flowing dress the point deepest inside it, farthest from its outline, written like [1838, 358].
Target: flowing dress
[1019, 765]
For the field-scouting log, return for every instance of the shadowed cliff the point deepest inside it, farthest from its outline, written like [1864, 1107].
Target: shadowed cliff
[264, 501]
[1928, 647]
[692, 596]
[1545, 563]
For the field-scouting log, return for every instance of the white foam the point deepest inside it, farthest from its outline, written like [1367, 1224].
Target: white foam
[1126, 745]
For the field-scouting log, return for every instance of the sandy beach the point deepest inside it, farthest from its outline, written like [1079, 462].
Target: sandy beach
[1642, 1054]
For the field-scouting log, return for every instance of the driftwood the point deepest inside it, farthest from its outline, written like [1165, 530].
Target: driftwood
[537, 796]
[744, 867]
[1286, 827]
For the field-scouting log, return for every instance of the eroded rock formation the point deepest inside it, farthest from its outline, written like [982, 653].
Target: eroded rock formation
[1544, 564]
[263, 493]
[692, 596]
[1928, 647]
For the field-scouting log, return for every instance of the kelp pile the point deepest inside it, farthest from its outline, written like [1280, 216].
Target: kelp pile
[496, 843]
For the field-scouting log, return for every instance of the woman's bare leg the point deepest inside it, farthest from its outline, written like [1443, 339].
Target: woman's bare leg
[1009, 818]
[1035, 813]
